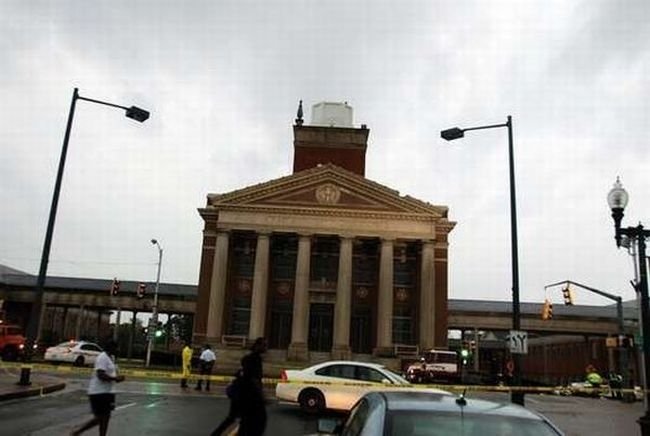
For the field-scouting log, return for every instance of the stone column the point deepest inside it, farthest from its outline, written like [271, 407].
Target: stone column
[260, 287]
[80, 315]
[342, 310]
[427, 296]
[385, 301]
[129, 352]
[117, 324]
[300, 324]
[214, 328]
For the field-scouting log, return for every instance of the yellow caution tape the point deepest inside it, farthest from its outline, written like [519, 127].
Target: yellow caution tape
[161, 374]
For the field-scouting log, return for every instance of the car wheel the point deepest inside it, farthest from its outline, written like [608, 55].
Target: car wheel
[311, 400]
[79, 361]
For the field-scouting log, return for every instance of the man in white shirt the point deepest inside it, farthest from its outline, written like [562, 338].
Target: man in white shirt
[207, 359]
[100, 390]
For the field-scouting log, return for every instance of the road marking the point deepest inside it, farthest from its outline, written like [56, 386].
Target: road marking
[124, 406]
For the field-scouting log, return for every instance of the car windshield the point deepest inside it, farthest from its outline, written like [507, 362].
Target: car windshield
[396, 377]
[428, 423]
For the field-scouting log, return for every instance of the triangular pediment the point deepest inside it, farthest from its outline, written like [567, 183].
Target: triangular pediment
[326, 187]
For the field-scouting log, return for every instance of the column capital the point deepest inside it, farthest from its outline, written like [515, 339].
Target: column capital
[346, 236]
[263, 233]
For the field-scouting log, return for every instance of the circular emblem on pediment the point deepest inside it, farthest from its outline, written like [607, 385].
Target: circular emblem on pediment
[244, 286]
[283, 289]
[401, 294]
[328, 194]
[362, 292]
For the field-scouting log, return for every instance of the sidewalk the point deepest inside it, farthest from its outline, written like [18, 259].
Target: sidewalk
[41, 384]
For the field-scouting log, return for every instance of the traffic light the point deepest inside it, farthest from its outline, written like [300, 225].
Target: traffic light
[115, 287]
[567, 293]
[141, 291]
[464, 355]
[625, 341]
[159, 330]
[547, 310]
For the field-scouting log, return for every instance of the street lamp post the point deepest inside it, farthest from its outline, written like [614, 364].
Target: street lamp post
[517, 396]
[154, 314]
[617, 200]
[33, 327]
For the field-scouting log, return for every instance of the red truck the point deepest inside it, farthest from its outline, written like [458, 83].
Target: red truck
[12, 342]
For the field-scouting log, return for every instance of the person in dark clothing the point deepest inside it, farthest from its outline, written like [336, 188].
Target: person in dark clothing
[246, 395]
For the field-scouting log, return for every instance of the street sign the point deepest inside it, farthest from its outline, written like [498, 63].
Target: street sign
[518, 341]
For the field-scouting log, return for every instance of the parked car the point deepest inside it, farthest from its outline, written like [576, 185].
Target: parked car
[78, 353]
[395, 413]
[336, 385]
[12, 342]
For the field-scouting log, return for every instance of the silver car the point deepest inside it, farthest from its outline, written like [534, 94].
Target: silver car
[394, 413]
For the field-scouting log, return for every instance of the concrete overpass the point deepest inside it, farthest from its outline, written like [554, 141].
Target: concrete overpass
[85, 294]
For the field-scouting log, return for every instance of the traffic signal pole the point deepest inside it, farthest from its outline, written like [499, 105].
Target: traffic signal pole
[154, 314]
[623, 359]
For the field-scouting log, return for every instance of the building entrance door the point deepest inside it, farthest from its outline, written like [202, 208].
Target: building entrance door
[281, 318]
[321, 317]
[361, 330]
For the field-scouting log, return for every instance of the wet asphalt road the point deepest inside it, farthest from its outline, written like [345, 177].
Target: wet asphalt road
[158, 408]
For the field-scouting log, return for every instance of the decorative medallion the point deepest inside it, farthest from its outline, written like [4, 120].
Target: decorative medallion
[328, 194]
[283, 289]
[244, 286]
[401, 294]
[362, 292]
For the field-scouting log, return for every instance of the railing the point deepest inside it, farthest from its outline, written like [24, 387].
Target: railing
[403, 350]
[234, 341]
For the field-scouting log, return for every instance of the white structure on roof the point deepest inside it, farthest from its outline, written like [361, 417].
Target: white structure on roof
[331, 114]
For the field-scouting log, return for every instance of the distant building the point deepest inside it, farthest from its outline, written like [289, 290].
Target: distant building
[324, 259]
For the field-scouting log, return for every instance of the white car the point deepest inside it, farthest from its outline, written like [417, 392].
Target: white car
[78, 353]
[338, 384]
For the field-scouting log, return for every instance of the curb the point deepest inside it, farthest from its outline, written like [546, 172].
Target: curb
[32, 392]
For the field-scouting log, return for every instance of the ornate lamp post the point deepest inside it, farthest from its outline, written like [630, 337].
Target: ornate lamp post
[33, 327]
[517, 397]
[617, 200]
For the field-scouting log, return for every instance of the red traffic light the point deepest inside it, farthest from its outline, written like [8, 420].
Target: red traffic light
[141, 291]
[115, 287]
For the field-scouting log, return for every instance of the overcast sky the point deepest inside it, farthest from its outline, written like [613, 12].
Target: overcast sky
[223, 79]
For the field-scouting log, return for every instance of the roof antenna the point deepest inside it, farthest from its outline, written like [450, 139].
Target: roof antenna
[299, 120]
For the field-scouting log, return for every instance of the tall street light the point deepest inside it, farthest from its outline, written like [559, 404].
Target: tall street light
[517, 396]
[154, 314]
[617, 200]
[33, 326]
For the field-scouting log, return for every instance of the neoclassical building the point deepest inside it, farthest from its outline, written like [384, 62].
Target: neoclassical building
[324, 259]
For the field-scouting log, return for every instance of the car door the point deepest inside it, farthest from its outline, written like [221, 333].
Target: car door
[342, 393]
[376, 379]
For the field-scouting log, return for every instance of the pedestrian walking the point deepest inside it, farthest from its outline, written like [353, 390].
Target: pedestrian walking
[187, 363]
[246, 396]
[207, 359]
[101, 390]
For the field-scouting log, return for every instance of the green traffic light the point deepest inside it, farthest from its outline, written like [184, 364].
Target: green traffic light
[464, 353]
[159, 333]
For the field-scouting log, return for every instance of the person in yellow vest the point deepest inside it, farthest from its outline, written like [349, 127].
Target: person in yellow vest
[187, 363]
[593, 378]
